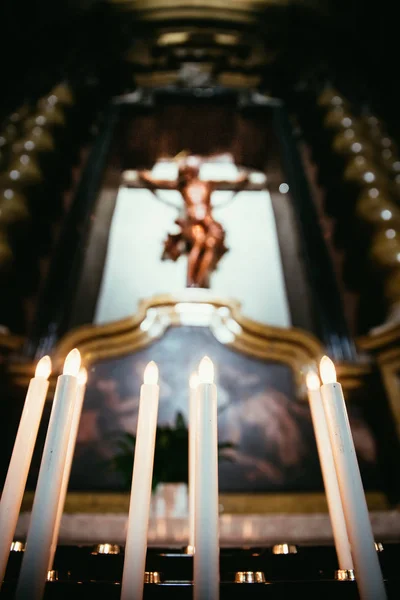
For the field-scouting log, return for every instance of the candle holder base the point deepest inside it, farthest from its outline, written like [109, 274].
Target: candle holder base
[284, 549]
[249, 577]
[106, 549]
[17, 546]
[345, 575]
[152, 577]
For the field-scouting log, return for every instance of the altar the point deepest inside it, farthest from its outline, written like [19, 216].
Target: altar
[199, 338]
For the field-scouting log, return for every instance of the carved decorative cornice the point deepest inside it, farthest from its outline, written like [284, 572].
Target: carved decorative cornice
[294, 347]
[371, 164]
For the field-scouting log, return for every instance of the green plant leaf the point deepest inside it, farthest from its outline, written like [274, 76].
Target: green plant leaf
[171, 454]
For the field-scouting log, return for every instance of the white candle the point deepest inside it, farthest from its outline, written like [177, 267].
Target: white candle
[139, 506]
[328, 470]
[193, 383]
[366, 563]
[76, 417]
[21, 458]
[32, 578]
[206, 555]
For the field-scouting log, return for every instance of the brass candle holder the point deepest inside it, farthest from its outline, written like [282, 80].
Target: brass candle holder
[345, 575]
[284, 549]
[107, 549]
[52, 575]
[249, 577]
[17, 546]
[152, 577]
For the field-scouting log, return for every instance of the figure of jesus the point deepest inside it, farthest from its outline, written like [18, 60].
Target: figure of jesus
[201, 237]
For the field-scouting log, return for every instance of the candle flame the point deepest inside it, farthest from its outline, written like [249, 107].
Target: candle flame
[82, 376]
[312, 380]
[206, 370]
[72, 363]
[194, 381]
[327, 370]
[150, 376]
[43, 368]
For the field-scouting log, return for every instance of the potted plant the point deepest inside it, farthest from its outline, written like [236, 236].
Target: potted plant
[171, 466]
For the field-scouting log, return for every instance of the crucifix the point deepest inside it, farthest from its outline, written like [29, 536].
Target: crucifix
[201, 237]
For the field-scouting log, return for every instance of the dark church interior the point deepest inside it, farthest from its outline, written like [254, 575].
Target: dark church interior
[183, 184]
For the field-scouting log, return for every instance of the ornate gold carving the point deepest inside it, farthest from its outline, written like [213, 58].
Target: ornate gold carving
[331, 97]
[238, 80]
[385, 247]
[339, 117]
[375, 206]
[23, 171]
[364, 172]
[13, 207]
[97, 342]
[350, 143]
[46, 115]
[117, 503]
[61, 94]
[372, 164]
[20, 114]
[384, 343]
[8, 134]
[38, 139]
[236, 11]
[6, 254]
[202, 9]
[10, 341]
[297, 348]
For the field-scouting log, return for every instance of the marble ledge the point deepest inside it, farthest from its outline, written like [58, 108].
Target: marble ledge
[235, 530]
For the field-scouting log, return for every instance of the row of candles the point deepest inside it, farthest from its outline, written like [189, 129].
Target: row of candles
[352, 531]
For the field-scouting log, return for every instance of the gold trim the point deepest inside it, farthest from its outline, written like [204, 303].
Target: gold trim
[247, 12]
[379, 337]
[273, 503]
[294, 347]
[98, 342]
[11, 341]
[384, 343]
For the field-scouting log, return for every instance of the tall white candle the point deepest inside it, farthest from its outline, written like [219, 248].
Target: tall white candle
[21, 458]
[193, 383]
[328, 470]
[139, 506]
[76, 417]
[366, 562]
[206, 555]
[32, 578]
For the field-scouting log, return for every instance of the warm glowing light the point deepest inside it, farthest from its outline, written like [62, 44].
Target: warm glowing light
[327, 370]
[194, 381]
[312, 380]
[43, 368]
[150, 376]
[82, 376]
[72, 363]
[390, 234]
[386, 214]
[172, 38]
[257, 178]
[206, 370]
